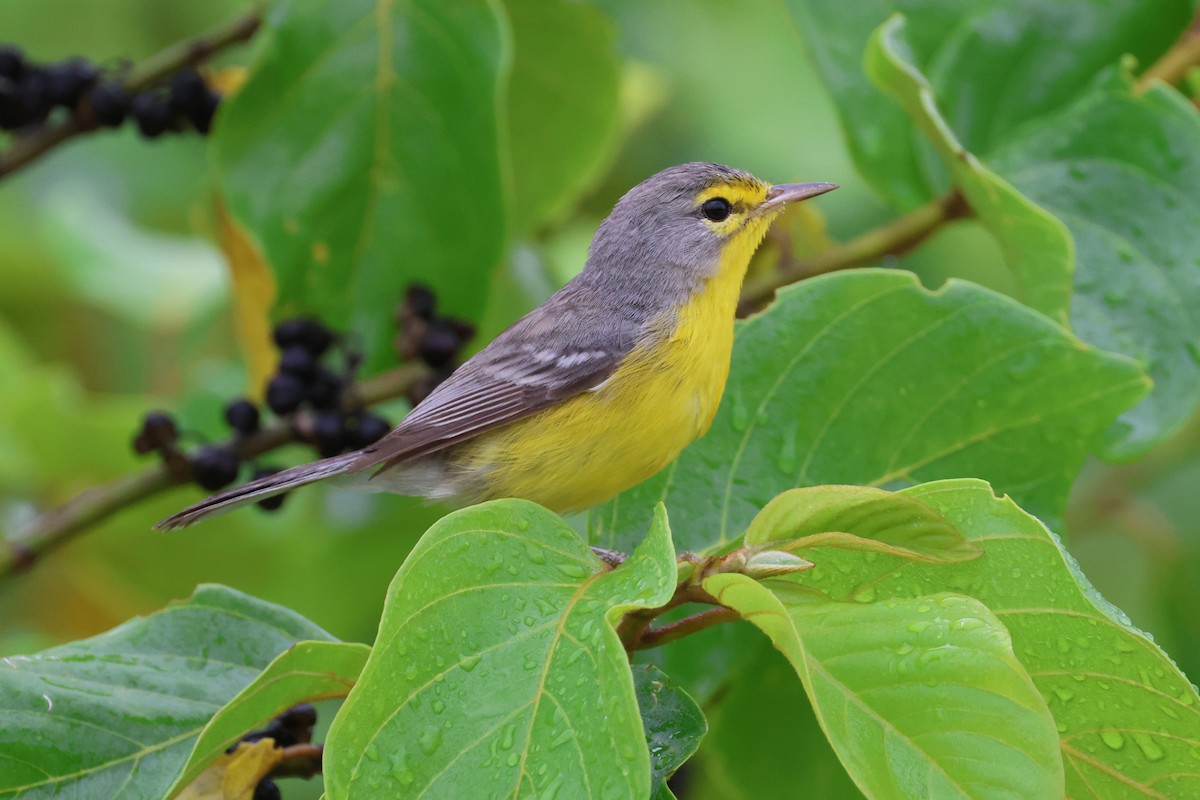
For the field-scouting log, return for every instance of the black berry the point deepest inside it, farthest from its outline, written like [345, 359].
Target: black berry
[67, 80]
[307, 333]
[440, 344]
[297, 360]
[267, 790]
[284, 394]
[26, 102]
[324, 391]
[186, 89]
[299, 718]
[152, 112]
[201, 115]
[214, 467]
[109, 104]
[370, 429]
[420, 301]
[242, 416]
[329, 434]
[12, 62]
[158, 430]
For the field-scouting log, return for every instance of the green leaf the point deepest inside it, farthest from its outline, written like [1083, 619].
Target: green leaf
[884, 384]
[752, 755]
[562, 105]
[497, 669]
[1037, 247]
[131, 702]
[1123, 172]
[673, 723]
[364, 152]
[858, 518]
[308, 671]
[873, 672]
[994, 66]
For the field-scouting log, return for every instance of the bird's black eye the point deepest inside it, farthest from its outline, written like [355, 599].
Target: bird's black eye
[716, 208]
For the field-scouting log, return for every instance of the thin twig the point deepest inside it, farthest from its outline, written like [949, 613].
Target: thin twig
[654, 637]
[1173, 65]
[150, 72]
[299, 761]
[895, 238]
[94, 505]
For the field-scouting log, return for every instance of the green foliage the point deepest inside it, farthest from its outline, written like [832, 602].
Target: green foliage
[497, 668]
[674, 725]
[308, 671]
[116, 715]
[852, 400]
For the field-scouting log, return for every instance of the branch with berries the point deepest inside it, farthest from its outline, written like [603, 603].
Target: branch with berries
[314, 399]
[46, 105]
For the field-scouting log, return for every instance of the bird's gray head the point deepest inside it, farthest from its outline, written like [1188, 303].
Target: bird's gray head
[675, 226]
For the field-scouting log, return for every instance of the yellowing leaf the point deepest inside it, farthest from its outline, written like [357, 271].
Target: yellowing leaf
[234, 775]
[253, 294]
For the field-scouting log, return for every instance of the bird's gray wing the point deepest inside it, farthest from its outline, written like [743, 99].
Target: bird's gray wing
[542, 360]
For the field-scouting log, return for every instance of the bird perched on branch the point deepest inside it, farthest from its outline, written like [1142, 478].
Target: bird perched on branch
[597, 388]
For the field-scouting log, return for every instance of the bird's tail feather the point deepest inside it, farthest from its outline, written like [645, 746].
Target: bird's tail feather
[257, 490]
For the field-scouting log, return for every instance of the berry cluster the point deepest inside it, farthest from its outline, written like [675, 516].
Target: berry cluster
[424, 334]
[312, 396]
[30, 92]
[294, 726]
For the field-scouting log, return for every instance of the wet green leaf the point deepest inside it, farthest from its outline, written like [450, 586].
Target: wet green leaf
[116, 715]
[364, 152]
[884, 384]
[497, 668]
[673, 723]
[873, 672]
[307, 672]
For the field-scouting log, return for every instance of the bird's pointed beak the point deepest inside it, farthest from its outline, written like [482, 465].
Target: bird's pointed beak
[782, 194]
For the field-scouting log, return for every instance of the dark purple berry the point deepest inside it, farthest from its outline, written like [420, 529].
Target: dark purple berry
[297, 360]
[307, 333]
[186, 90]
[284, 394]
[242, 416]
[317, 338]
[202, 113]
[214, 467]
[267, 790]
[299, 718]
[67, 80]
[324, 391]
[420, 301]
[329, 433]
[370, 429]
[158, 430]
[289, 332]
[109, 104]
[152, 113]
[440, 344]
[12, 62]
[25, 102]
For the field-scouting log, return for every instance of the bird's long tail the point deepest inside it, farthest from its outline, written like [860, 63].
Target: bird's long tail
[257, 490]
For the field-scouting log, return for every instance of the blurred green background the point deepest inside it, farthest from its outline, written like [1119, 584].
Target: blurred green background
[114, 299]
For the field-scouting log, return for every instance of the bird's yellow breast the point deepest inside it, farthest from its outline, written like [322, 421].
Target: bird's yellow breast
[601, 442]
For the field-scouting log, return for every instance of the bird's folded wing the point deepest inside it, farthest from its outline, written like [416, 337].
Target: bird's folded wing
[492, 389]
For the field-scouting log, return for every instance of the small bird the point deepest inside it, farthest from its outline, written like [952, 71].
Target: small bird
[600, 386]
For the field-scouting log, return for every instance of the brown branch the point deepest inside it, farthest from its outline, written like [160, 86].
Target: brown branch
[299, 761]
[654, 637]
[150, 72]
[94, 505]
[1173, 65]
[897, 237]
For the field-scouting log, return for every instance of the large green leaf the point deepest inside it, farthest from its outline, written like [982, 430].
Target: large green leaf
[673, 723]
[497, 670]
[1037, 247]
[1128, 721]
[364, 152]
[1123, 172]
[308, 671]
[883, 383]
[116, 715]
[994, 65]
[875, 670]
[561, 102]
